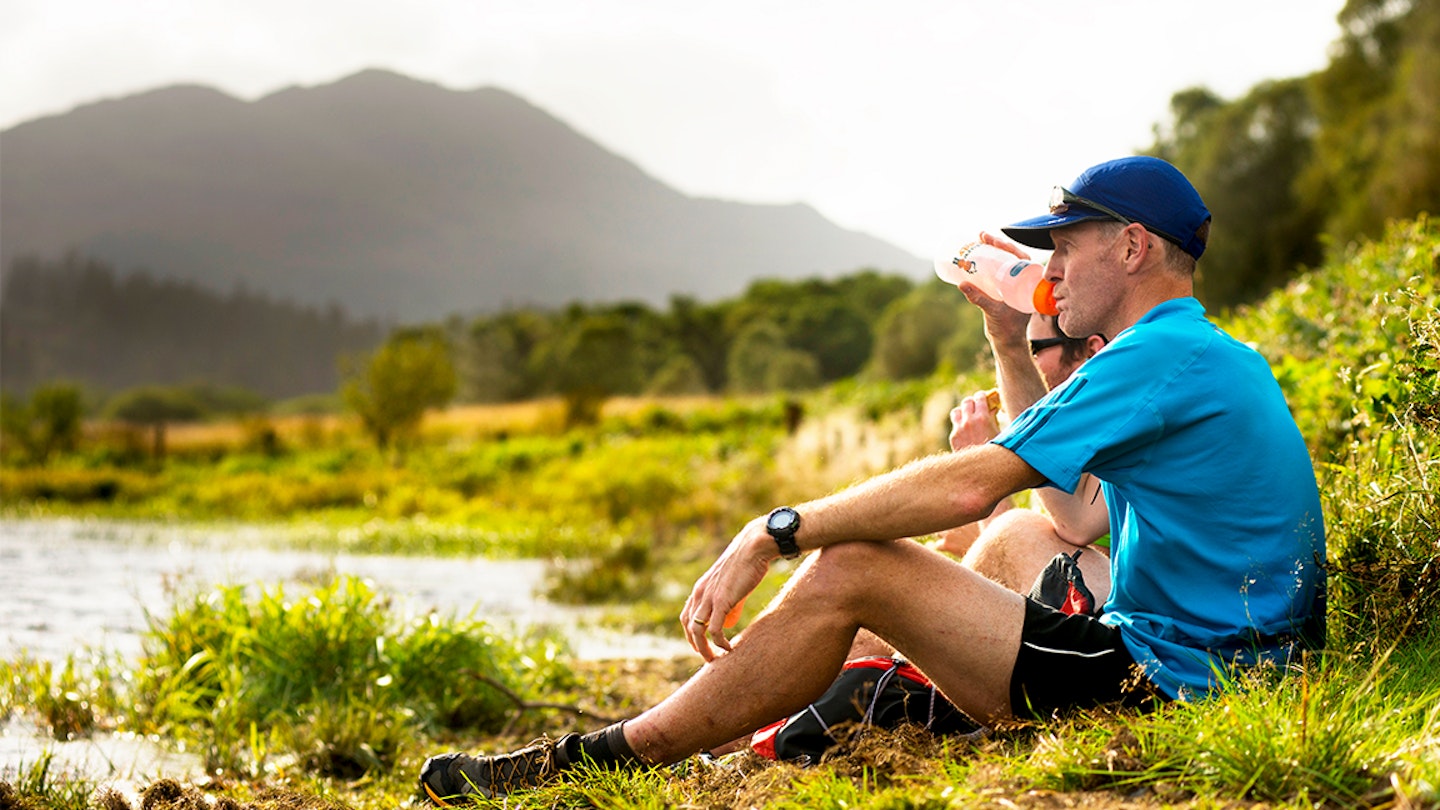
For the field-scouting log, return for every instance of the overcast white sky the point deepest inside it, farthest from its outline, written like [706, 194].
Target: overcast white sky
[908, 119]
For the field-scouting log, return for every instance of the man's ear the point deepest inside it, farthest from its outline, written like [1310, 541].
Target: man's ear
[1094, 343]
[1136, 246]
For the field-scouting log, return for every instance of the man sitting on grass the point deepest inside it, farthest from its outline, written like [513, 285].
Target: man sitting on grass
[1011, 546]
[1217, 540]
[1058, 555]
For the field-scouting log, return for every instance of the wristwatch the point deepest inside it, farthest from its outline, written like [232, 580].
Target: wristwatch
[782, 525]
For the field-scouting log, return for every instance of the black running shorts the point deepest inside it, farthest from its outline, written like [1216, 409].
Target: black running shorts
[1073, 661]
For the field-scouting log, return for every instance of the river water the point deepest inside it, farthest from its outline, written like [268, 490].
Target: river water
[67, 586]
[70, 584]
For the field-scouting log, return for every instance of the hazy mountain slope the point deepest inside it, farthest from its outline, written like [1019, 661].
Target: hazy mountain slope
[391, 196]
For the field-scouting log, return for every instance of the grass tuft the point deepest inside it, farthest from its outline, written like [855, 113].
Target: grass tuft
[39, 787]
[327, 674]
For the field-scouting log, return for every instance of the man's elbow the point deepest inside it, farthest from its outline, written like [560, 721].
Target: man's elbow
[1079, 530]
[969, 504]
[985, 475]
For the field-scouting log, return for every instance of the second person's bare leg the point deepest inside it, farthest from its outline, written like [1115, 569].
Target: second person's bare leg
[1018, 545]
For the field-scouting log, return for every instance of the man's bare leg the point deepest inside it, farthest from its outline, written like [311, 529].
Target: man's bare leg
[960, 628]
[1012, 551]
[868, 644]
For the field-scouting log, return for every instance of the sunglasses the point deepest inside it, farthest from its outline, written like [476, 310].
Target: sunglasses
[1061, 200]
[1041, 344]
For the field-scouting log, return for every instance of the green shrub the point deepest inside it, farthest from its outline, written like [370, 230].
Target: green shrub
[1354, 345]
[69, 701]
[48, 424]
[330, 674]
[1349, 341]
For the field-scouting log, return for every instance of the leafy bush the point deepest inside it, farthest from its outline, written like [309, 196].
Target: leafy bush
[48, 424]
[1354, 345]
[241, 672]
[392, 389]
[679, 376]
[1350, 342]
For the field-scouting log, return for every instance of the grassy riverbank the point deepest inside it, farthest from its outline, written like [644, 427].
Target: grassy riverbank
[637, 505]
[350, 725]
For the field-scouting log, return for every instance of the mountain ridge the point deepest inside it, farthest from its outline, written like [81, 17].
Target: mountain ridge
[394, 197]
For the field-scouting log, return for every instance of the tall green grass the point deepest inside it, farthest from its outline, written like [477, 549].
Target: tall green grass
[330, 675]
[70, 699]
[1342, 732]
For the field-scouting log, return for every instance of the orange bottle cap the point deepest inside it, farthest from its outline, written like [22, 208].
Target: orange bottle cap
[1044, 299]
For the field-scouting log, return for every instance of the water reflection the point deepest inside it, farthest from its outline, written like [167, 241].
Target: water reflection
[68, 584]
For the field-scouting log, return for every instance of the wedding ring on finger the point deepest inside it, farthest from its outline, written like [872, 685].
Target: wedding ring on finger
[701, 622]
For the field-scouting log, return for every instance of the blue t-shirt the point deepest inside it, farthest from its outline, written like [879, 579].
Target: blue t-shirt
[1217, 539]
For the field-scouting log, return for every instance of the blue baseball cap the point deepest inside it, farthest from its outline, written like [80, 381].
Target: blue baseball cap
[1139, 189]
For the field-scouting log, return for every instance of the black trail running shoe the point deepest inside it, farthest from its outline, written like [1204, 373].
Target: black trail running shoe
[456, 775]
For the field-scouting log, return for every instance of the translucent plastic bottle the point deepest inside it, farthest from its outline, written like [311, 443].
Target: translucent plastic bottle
[1018, 282]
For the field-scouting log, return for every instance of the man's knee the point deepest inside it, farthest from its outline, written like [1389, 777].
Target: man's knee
[1019, 523]
[989, 558]
[856, 572]
[1013, 547]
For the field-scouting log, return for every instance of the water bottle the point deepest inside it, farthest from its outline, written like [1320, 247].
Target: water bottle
[1018, 282]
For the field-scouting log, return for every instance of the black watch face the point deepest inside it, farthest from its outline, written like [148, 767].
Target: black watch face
[784, 521]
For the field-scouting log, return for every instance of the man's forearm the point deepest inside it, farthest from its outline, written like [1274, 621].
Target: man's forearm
[1016, 376]
[920, 498]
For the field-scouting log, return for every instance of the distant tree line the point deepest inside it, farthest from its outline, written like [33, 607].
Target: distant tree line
[776, 336]
[1326, 158]
[150, 352]
[49, 420]
[78, 319]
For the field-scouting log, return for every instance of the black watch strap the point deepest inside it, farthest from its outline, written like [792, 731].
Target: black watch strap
[782, 524]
